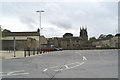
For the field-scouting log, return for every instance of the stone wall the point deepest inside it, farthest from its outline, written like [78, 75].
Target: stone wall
[23, 42]
[9, 44]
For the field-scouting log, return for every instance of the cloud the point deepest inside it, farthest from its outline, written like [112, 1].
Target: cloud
[29, 22]
[56, 15]
[98, 17]
[63, 24]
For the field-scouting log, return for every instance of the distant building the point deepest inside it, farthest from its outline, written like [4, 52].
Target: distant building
[108, 41]
[83, 34]
[68, 41]
[23, 40]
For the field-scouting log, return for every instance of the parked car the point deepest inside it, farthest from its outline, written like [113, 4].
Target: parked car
[60, 49]
[57, 49]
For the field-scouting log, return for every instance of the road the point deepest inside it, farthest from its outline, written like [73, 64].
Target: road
[64, 64]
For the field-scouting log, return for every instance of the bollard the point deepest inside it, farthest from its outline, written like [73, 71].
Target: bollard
[48, 49]
[24, 53]
[33, 51]
[28, 51]
[37, 51]
[44, 50]
[40, 51]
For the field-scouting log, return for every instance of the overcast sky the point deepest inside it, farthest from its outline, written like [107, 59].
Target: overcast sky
[61, 17]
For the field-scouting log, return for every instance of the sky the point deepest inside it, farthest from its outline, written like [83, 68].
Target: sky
[59, 18]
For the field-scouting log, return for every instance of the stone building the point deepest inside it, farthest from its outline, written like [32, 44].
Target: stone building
[107, 42]
[83, 34]
[23, 40]
[68, 41]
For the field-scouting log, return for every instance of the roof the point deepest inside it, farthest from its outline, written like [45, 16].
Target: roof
[20, 34]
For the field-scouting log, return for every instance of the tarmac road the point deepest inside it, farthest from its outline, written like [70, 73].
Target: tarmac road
[64, 64]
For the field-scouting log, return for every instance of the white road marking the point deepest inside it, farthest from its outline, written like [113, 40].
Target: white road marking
[20, 72]
[84, 58]
[72, 63]
[66, 66]
[77, 65]
[45, 69]
[70, 67]
[14, 72]
[17, 74]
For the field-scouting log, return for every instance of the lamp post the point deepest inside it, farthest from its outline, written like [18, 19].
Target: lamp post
[14, 46]
[40, 29]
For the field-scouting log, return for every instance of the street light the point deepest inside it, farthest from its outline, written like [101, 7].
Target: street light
[40, 29]
[14, 46]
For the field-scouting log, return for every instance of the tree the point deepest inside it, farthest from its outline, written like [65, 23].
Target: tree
[92, 39]
[102, 36]
[109, 36]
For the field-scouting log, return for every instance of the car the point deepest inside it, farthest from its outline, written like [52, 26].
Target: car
[57, 49]
[60, 49]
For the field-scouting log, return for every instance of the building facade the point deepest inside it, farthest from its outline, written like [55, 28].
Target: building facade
[68, 41]
[110, 42]
[23, 40]
[83, 34]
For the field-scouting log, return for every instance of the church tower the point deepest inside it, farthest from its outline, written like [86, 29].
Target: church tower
[83, 34]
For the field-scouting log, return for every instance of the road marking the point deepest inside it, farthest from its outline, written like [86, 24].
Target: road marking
[66, 66]
[45, 69]
[70, 67]
[17, 74]
[72, 63]
[84, 58]
[77, 65]
[14, 72]
[20, 72]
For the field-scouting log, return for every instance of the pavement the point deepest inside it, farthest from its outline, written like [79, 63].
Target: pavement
[18, 54]
[64, 64]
